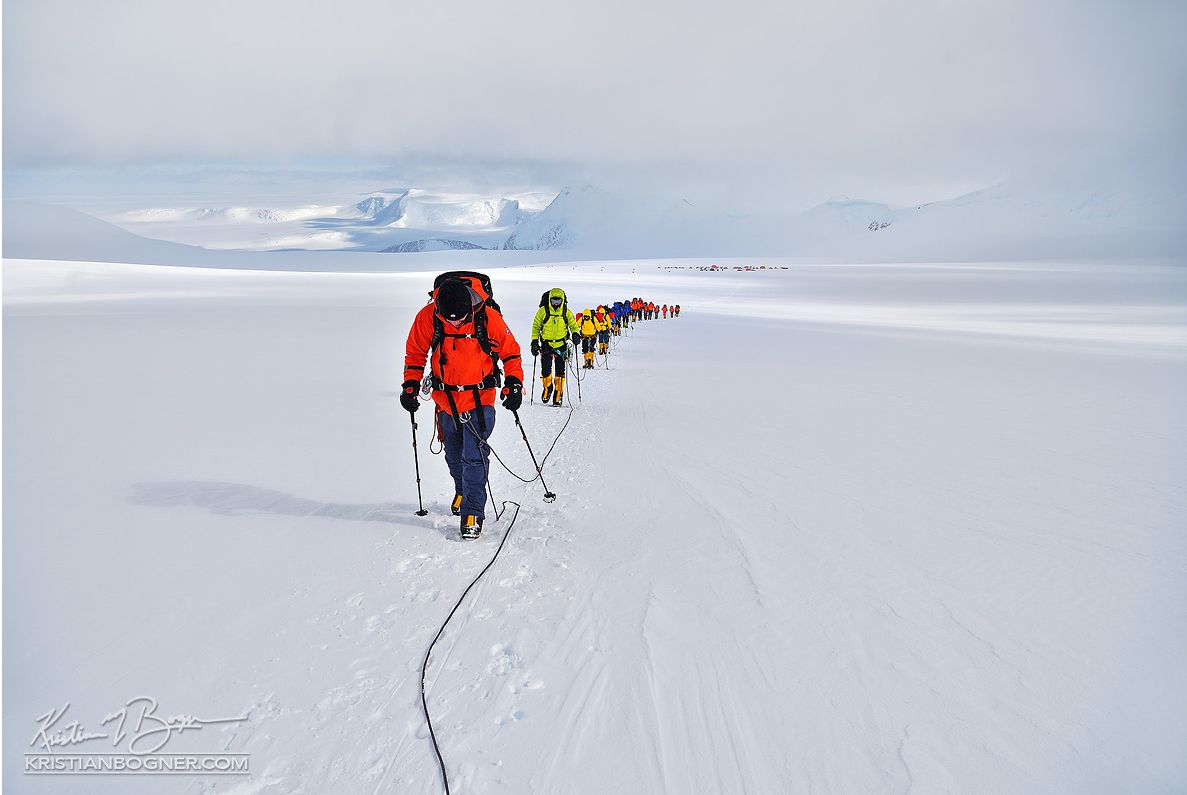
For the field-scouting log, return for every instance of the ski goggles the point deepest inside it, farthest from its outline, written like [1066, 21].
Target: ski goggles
[460, 304]
[556, 302]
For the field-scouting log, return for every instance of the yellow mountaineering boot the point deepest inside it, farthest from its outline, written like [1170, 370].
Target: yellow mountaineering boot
[559, 394]
[471, 526]
[456, 506]
[547, 381]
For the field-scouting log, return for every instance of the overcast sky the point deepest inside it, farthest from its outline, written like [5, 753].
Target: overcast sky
[822, 96]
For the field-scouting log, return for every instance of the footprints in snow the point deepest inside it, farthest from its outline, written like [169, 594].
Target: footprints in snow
[523, 574]
[372, 635]
[503, 659]
[504, 662]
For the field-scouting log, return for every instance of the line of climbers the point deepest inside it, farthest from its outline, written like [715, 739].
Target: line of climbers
[591, 330]
[463, 336]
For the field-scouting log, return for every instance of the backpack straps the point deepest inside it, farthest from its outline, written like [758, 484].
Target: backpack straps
[480, 334]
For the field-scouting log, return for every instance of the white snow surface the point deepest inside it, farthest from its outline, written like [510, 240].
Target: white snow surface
[837, 529]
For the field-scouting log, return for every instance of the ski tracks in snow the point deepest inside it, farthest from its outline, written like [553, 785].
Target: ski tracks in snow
[359, 698]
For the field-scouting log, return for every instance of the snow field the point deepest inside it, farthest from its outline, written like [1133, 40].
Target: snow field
[802, 541]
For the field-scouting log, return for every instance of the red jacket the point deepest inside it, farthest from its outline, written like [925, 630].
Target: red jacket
[466, 362]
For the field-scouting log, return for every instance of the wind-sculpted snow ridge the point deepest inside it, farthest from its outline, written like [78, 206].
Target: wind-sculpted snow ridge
[431, 244]
[297, 241]
[263, 215]
[381, 209]
[541, 237]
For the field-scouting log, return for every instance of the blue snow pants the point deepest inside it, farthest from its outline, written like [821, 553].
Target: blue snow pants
[467, 457]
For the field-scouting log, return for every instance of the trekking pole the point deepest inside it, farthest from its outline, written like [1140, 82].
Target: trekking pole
[533, 400]
[416, 458]
[577, 367]
[548, 495]
[570, 367]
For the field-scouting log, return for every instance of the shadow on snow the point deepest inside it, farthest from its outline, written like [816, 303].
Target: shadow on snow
[236, 499]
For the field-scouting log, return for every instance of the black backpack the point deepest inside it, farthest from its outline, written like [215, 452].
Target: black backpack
[482, 278]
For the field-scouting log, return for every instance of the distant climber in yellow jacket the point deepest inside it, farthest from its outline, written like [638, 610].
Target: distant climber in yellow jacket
[590, 326]
[553, 324]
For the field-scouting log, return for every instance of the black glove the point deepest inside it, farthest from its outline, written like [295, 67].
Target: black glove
[408, 395]
[576, 338]
[512, 394]
[535, 347]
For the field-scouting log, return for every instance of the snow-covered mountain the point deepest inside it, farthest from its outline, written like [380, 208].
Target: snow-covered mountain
[842, 215]
[33, 230]
[1004, 221]
[419, 209]
[39, 231]
[554, 227]
[589, 218]
[417, 213]
[382, 220]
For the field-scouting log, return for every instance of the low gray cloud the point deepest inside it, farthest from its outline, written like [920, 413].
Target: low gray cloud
[748, 97]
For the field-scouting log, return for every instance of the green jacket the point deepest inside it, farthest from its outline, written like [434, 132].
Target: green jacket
[554, 326]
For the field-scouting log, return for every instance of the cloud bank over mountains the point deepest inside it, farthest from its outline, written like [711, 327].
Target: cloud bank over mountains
[765, 100]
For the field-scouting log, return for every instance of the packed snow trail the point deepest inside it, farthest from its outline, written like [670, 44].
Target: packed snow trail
[836, 529]
[444, 625]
